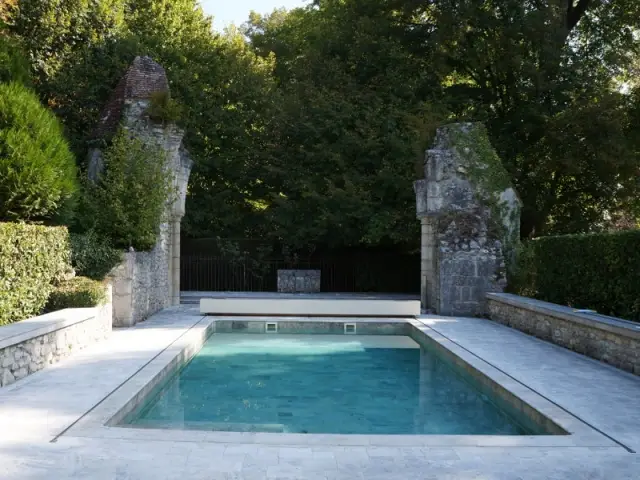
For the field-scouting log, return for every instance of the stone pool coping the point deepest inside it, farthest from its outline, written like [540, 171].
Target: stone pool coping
[99, 422]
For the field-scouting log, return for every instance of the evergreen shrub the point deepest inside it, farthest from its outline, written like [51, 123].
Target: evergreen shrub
[37, 169]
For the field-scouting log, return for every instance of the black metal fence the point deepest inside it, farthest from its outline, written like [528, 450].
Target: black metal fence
[369, 272]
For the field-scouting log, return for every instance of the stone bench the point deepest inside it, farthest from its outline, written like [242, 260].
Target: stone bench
[611, 340]
[33, 344]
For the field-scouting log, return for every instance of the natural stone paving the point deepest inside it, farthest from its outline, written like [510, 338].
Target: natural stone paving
[35, 410]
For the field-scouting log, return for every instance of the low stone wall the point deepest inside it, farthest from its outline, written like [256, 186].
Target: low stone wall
[608, 339]
[298, 281]
[141, 283]
[33, 344]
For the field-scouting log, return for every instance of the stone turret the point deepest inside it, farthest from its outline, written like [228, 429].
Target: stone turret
[470, 218]
[146, 281]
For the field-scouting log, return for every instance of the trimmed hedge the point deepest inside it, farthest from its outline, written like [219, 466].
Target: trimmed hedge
[595, 271]
[32, 259]
[79, 292]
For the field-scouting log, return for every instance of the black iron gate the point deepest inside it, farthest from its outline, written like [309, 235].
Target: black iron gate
[369, 272]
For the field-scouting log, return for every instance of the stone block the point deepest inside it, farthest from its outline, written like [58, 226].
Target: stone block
[299, 281]
[7, 359]
[7, 378]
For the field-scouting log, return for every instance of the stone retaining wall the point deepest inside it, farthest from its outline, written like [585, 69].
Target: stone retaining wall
[608, 339]
[298, 281]
[31, 345]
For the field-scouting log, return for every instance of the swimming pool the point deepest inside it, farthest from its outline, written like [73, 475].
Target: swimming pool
[338, 384]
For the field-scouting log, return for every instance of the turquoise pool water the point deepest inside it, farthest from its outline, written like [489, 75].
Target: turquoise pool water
[323, 384]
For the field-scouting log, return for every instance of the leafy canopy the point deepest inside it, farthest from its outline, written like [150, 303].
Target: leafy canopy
[309, 126]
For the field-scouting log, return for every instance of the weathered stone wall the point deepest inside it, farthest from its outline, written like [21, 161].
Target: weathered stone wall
[147, 282]
[34, 352]
[298, 281]
[470, 221]
[610, 340]
[141, 283]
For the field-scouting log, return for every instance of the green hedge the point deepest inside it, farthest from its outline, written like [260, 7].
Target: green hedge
[596, 271]
[32, 259]
[79, 292]
[92, 255]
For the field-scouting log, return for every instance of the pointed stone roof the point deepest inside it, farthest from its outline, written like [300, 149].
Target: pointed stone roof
[143, 78]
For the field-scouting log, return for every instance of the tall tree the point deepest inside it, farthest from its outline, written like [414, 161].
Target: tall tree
[532, 70]
[347, 139]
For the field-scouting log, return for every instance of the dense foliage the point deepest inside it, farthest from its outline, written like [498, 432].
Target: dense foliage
[550, 79]
[33, 259]
[14, 66]
[78, 292]
[597, 271]
[128, 202]
[7, 7]
[37, 169]
[92, 255]
[309, 126]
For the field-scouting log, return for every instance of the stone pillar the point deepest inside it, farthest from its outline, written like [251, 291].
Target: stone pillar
[470, 220]
[428, 258]
[175, 261]
[182, 171]
[123, 281]
[147, 281]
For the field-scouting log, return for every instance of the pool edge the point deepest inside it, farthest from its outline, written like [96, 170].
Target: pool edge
[103, 420]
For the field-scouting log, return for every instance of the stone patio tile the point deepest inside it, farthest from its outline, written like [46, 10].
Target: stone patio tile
[44, 404]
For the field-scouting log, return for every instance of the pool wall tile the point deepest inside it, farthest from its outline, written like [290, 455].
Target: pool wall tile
[312, 327]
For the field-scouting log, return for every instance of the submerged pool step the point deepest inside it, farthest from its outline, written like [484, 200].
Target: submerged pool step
[308, 306]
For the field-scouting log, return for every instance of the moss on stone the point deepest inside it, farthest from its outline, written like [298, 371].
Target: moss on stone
[483, 166]
[485, 171]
